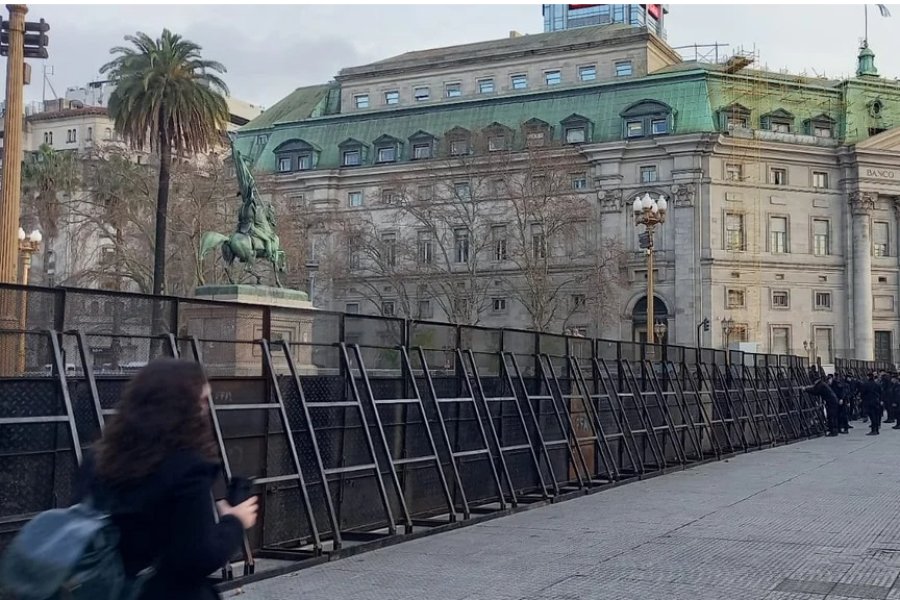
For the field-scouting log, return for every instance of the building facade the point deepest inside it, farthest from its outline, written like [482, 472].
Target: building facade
[783, 219]
[559, 17]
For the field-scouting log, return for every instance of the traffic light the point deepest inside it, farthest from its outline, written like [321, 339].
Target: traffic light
[705, 324]
[35, 39]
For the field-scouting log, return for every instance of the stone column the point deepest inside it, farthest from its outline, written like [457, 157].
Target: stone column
[861, 206]
[683, 316]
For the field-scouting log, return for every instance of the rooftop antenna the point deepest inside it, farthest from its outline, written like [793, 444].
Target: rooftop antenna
[48, 70]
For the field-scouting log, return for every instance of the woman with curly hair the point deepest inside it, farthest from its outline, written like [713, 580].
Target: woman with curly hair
[153, 470]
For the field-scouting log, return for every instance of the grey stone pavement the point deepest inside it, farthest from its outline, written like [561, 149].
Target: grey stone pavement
[814, 520]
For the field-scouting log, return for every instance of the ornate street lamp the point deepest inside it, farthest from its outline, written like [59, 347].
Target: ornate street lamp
[28, 245]
[649, 213]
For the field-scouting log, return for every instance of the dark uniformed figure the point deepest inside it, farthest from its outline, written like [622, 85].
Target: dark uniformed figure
[832, 404]
[870, 392]
[837, 386]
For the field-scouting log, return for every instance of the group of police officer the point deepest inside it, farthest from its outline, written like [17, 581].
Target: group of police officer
[849, 398]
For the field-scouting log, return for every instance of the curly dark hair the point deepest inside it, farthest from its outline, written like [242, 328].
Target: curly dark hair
[161, 412]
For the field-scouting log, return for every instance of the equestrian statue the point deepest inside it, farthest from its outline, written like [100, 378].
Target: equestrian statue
[255, 238]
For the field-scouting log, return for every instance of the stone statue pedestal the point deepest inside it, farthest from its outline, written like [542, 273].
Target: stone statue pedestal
[233, 325]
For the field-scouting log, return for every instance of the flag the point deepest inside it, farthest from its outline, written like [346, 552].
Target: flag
[883, 10]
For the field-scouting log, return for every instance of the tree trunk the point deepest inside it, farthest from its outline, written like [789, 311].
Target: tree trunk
[162, 214]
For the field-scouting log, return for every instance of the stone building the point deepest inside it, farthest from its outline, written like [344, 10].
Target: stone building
[783, 216]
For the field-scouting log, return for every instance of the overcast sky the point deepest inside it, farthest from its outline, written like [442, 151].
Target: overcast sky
[270, 50]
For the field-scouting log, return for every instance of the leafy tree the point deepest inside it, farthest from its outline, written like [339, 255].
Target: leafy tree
[169, 98]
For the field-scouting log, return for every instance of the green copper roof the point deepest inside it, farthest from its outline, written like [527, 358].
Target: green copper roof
[301, 104]
[687, 94]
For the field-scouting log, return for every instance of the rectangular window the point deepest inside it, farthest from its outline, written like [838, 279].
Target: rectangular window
[734, 231]
[781, 340]
[575, 135]
[392, 97]
[519, 82]
[304, 162]
[425, 311]
[425, 193]
[734, 298]
[421, 151]
[822, 300]
[883, 349]
[648, 174]
[780, 126]
[534, 139]
[822, 131]
[822, 337]
[659, 126]
[284, 165]
[351, 158]
[389, 247]
[362, 101]
[821, 237]
[780, 299]
[355, 199]
[387, 154]
[461, 245]
[820, 180]
[425, 248]
[422, 94]
[777, 176]
[552, 77]
[498, 238]
[459, 147]
[462, 190]
[881, 238]
[496, 143]
[538, 242]
[634, 129]
[587, 73]
[623, 68]
[737, 122]
[90, 134]
[734, 172]
[577, 301]
[387, 308]
[579, 181]
[351, 308]
[498, 305]
[778, 242]
[453, 90]
[486, 86]
[389, 196]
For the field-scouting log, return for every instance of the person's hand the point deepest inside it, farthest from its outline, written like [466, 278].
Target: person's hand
[245, 512]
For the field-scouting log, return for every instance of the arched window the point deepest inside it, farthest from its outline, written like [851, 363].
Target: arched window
[296, 155]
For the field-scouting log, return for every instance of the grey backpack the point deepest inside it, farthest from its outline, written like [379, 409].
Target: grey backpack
[69, 553]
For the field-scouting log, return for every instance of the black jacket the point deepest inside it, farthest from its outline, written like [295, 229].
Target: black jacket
[824, 391]
[167, 519]
[871, 395]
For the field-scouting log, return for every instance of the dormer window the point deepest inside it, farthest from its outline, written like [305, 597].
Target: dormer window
[353, 152]
[459, 141]
[296, 155]
[779, 121]
[422, 145]
[387, 149]
[647, 118]
[537, 133]
[499, 137]
[821, 126]
[734, 116]
[576, 129]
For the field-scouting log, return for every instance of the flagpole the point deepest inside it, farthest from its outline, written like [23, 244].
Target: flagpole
[866, 34]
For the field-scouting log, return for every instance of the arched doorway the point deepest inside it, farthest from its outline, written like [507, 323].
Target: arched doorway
[639, 319]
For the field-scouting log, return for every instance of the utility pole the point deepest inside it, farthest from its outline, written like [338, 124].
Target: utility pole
[18, 40]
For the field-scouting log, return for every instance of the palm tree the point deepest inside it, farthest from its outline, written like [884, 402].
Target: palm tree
[171, 99]
[48, 174]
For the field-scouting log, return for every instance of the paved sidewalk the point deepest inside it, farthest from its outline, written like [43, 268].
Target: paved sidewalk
[813, 520]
